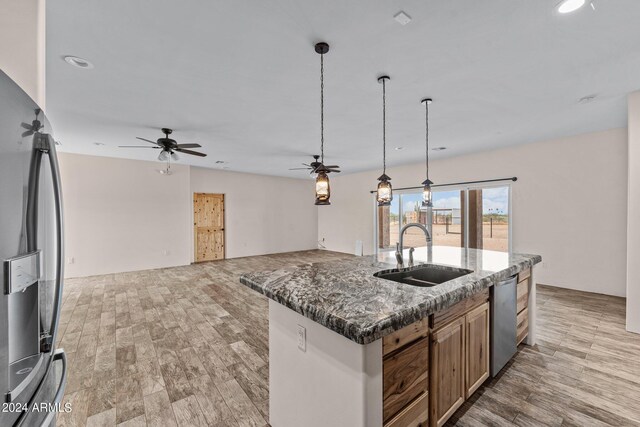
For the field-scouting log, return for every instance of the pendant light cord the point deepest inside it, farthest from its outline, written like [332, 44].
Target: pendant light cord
[322, 108]
[384, 128]
[426, 105]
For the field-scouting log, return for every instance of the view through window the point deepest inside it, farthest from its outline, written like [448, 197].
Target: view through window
[475, 217]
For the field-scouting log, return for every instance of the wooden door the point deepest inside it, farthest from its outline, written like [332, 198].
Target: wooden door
[208, 226]
[447, 378]
[477, 331]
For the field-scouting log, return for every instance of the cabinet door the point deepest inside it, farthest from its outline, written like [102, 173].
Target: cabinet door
[447, 379]
[477, 332]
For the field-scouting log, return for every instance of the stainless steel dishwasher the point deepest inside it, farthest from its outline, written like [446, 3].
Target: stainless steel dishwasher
[503, 323]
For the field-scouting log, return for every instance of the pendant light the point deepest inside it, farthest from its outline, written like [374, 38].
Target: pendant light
[323, 190]
[384, 194]
[427, 194]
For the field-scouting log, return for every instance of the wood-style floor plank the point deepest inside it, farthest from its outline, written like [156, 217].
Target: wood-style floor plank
[189, 346]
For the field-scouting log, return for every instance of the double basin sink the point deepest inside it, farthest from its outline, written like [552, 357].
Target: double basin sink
[423, 275]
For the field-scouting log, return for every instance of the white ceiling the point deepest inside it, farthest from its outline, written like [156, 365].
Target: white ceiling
[242, 78]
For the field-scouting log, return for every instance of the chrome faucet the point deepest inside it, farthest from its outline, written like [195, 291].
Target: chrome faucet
[400, 245]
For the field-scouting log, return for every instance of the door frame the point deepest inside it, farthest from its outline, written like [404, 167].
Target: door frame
[194, 237]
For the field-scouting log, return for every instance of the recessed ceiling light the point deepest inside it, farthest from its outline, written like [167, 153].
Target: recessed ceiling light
[78, 62]
[568, 6]
[587, 99]
[402, 18]
[98, 143]
[438, 148]
[220, 162]
[399, 148]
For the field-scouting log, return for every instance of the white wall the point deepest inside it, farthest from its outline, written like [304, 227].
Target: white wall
[263, 214]
[22, 45]
[122, 215]
[564, 190]
[633, 227]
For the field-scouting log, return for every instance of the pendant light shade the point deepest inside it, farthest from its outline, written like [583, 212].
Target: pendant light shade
[323, 189]
[427, 194]
[384, 194]
[163, 156]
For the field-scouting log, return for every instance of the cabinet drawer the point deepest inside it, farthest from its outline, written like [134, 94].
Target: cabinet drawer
[522, 328]
[404, 336]
[450, 314]
[405, 377]
[524, 274]
[523, 295]
[414, 415]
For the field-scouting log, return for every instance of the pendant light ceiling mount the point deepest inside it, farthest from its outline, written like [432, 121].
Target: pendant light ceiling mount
[427, 101]
[322, 48]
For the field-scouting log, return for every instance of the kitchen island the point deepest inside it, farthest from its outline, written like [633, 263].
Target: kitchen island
[347, 348]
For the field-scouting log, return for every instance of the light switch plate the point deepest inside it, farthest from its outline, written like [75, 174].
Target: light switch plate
[302, 338]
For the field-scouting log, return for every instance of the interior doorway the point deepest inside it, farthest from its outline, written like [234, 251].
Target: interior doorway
[208, 226]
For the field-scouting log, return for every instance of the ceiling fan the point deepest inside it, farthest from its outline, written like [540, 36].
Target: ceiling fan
[315, 165]
[35, 125]
[168, 146]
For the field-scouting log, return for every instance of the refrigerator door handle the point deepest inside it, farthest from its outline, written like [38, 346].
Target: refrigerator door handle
[50, 147]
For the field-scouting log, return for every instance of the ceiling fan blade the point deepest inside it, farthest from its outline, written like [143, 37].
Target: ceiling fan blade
[193, 153]
[148, 140]
[27, 133]
[189, 145]
[299, 169]
[304, 164]
[26, 125]
[332, 166]
[136, 146]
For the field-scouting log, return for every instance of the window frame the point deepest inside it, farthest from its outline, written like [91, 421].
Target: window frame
[466, 189]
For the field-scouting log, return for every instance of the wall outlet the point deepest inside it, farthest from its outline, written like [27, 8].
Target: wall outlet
[165, 252]
[302, 338]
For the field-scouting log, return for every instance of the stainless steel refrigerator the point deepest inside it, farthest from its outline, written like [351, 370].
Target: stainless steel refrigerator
[32, 369]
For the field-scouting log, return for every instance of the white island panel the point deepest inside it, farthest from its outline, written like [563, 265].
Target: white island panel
[334, 382]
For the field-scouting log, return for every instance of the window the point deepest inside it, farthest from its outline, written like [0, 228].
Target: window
[473, 217]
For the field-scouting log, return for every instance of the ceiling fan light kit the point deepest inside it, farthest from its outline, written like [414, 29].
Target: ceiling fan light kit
[169, 147]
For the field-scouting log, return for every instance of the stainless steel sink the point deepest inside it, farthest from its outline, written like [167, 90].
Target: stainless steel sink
[423, 275]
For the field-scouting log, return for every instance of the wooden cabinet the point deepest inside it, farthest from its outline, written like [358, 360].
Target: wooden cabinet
[447, 383]
[405, 376]
[459, 356]
[524, 283]
[414, 415]
[477, 348]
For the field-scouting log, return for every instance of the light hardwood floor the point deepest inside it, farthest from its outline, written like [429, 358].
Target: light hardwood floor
[189, 346]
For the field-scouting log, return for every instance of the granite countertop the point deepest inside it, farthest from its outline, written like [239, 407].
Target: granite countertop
[345, 297]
